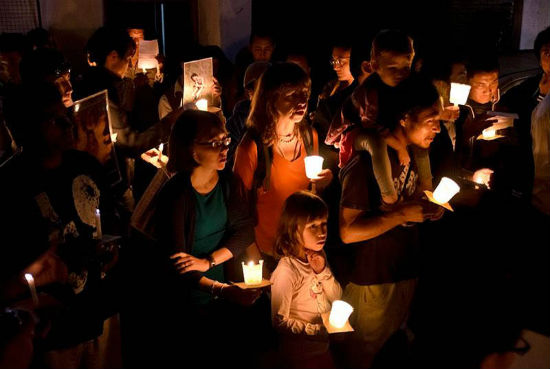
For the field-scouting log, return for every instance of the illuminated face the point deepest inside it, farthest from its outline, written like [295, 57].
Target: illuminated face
[340, 63]
[261, 49]
[210, 157]
[421, 130]
[393, 68]
[484, 87]
[545, 58]
[291, 105]
[314, 234]
[63, 84]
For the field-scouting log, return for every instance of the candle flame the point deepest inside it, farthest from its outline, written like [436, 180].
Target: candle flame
[29, 277]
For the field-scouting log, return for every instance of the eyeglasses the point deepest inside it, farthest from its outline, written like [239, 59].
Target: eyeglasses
[339, 62]
[217, 144]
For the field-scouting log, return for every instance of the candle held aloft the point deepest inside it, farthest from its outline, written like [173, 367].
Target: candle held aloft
[252, 273]
[32, 287]
[459, 93]
[314, 166]
[340, 313]
[98, 234]
[445, 191]
[202, 104]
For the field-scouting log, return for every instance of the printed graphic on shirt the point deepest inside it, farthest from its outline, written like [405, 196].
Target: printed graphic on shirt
[316, 293]
[86, 199]
[402, 188]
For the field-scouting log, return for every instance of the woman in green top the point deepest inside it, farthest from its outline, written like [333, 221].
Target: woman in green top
[200, 224]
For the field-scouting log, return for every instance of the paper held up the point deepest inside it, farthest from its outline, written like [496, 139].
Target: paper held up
[148, 51]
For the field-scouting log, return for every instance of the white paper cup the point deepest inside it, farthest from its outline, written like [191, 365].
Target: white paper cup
[459, 93]
[314, 166]
[202, 104]
[445, 191]
[339, 313]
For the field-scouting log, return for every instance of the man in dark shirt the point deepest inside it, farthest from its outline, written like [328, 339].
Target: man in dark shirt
[383, 278]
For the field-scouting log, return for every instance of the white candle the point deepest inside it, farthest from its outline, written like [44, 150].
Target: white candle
[459, 93]
[202, 104]
[489, 133]
[98, 234]
[445, 191]
[314, 166]
[339, 313]
[161, 147]
[113, 137]
[483, 176]
[252, 273]
[32, 287]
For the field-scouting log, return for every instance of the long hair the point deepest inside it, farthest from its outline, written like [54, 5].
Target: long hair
[277, 80]
[191, 126]
[299, 209]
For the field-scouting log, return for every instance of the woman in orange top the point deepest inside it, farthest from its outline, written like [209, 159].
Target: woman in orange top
[276, 130]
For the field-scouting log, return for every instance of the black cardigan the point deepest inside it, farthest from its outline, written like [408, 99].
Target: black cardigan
[175, 221]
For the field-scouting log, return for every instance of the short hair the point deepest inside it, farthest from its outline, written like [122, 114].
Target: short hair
[415, 94]
[108, 39]
[360, 52]
[41, 63]
[392, 40]
[482, 63]
[543, 38]
[28, 107]
[299, 209]
[275, 81]
[191, 126]
[261, 34]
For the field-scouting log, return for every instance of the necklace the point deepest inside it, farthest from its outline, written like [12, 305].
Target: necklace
[294, 151]
[287, 138]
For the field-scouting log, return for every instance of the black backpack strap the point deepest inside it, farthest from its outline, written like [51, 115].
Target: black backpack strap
[307, 137]
[262, 174]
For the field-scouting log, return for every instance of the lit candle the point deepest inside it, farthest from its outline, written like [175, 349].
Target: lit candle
[144, 70]
[483, 176]
[489, 133]
[32, 287]
[314, 166]
[459, 93]
[98, 234]
[252, 273]
[445, 191]
[113, 137]
[339, 313]
[202, 104]
[161, 147]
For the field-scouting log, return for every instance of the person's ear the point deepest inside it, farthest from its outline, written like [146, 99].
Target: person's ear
[195, 156]
[404, 122]
[366, 67]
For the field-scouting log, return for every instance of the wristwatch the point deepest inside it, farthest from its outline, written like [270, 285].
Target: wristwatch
[211, 261]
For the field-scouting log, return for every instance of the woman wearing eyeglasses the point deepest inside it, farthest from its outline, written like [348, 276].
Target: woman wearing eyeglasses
[200, 224]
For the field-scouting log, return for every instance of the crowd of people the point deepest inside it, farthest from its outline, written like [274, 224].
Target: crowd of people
[137, 269]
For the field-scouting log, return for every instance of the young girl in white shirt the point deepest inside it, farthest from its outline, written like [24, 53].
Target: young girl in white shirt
[303, 284]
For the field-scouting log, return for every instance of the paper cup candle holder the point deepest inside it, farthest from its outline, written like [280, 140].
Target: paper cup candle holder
[443, 193]
[459, 93]
[336, 321]
[314, 166]
[253, 276]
